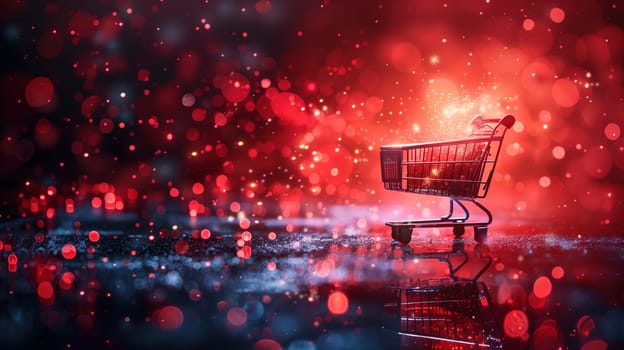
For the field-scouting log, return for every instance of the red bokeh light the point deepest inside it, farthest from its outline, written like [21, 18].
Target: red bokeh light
[237, 317]
[69, 251]
[168, 318]
[516, 323]
[338, 303]
[267, 344]
[45, 290]
[94, 236]
[542, 287]
[39, 92]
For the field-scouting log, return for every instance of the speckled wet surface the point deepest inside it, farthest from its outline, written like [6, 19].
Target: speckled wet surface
[317, 283]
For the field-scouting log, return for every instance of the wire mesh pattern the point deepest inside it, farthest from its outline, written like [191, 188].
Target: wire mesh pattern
[454, 311]
[456, 168]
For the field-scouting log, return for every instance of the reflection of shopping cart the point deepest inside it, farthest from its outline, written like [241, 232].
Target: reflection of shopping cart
[447, 313]
[458, 169]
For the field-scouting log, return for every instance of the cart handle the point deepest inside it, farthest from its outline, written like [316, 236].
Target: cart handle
[479, 121]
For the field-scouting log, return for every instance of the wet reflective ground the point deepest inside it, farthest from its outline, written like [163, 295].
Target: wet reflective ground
[95, 280]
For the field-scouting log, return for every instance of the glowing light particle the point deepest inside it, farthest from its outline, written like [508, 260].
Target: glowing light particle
[338, 303]
[39, 92]
[558, 152]
[267, 344]
[182, 247]
[195, 294]
[235, 87]
[198, 188]
[612, 131]
[188, 100]
[557, 15]
[557, 272]
[205, 233]
[528, 24]
[66, 281]
[69, 251]
[542, 287]
[94, 236]
[544, 181]
[168, 318]
[595, 344]
[516, 323]
[237, 317]
[565, 93]
[45, 290]
[244, 223]
[246, 236]
[12, 261]
[265, 83]
[199, 114]
[585, 325]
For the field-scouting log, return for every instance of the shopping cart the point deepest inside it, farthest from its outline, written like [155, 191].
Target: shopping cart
[444, 313]
[458, 169]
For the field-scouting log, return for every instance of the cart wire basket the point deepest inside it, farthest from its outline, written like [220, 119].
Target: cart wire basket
[445, 313]
[459, 169]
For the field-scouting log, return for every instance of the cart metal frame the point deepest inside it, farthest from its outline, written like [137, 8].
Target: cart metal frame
[456, 311]
[459, 169]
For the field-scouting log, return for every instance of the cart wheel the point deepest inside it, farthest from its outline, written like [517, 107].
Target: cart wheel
[458, 230]
[402, 234]
[480, 233]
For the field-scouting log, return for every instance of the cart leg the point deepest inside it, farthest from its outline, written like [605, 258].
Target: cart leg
[402, 234]
[480, 233]
[458, 230]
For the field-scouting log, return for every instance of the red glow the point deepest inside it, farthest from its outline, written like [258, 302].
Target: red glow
[516, 323]
[205, 233]
[39, 92]
[244, 223]
[542, 287]
[69, 206]
[96, 202]
[69, 251]
[338, 303]
[557, 272]
[235, 87]
[174, 192]
[528, 24]
[612, 131]
[66, 281]
[168, 318]
[143, 75]
[237, 317]
[585, 325]
[198, 188]
[565, 93]
[45, 290]
[557, 15]
[182, 247]
[94, 236]
[12, 262]
[595, 344]
[267, 344]
[536, 302]
[199, 114]
[246, 236]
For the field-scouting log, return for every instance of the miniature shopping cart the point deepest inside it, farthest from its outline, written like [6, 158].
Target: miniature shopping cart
[458, 169]
[445, 313]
